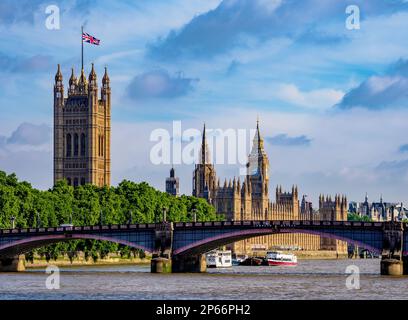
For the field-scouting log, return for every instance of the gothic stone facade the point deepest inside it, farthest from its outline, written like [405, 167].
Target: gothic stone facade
[249, 200]
[333, 210]
[82, 129]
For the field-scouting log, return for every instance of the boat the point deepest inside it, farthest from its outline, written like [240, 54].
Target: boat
[252, 261]
[219, 259]
[276, 258]
[237, 260]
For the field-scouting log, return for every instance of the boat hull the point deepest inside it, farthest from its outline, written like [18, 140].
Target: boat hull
[252, 262]
[278, 263]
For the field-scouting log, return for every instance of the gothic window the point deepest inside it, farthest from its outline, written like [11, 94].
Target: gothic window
[69, 145]
[75, 182]
[76, 144]
[83, 145]
[69, 181]
[82, 181]
[100, 143]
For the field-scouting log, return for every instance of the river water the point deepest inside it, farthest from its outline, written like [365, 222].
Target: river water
[311, 279]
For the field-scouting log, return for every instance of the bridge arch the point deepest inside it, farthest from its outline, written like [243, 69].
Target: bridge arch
[22, 246]
[210, 243]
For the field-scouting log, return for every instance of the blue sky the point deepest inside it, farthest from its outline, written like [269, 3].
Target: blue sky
[332, 102]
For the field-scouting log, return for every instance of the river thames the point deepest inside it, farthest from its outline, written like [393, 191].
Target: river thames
[311, 279]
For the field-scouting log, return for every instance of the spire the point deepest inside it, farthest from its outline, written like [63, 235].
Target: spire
[172, 172]
[92, 74]
[72, 79]
[259, 140]
[205, 155]
[82, 83]
[82, 78]
[58, 75]
[105, 78]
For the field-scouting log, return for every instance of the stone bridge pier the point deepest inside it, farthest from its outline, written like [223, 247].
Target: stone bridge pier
[12, 264]
[392, 260]
[189, 263]
[163, 260]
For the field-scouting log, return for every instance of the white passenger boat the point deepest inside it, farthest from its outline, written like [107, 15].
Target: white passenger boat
[219, 259]
[276, 258]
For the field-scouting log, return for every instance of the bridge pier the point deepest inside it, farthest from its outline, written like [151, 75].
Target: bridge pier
[392, 259]
[160, 265]
[405, 265]
[12, 264]
[179, 264]
[189, 263]
[392, 267]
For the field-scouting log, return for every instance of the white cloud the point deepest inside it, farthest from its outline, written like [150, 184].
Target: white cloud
[316, 99]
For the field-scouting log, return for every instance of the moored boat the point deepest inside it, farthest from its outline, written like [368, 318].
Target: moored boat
[238, 259]
[276, 258]
[219, 259]
[252, 261]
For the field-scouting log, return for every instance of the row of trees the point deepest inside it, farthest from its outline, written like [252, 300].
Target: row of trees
[129, 202]
[356, 217]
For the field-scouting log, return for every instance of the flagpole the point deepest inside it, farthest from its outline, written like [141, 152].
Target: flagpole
[82, 47]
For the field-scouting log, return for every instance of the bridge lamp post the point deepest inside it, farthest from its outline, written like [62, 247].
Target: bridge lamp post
[164, 214]
[195, 215]
[85, 217]
[130, 217]
[13, 219]
[38, 220]
[101, 218]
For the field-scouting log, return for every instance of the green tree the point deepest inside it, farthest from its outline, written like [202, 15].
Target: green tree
[84, 204]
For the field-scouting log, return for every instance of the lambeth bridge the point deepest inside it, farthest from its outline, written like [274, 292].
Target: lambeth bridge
[180, 246]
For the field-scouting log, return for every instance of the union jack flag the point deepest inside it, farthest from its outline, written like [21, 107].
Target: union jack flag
[90, 39]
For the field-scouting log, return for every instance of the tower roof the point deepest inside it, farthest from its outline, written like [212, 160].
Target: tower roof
[258, 142]
[72, 79]
[58, 75]
[257, 154]
[105, 76]
[92, 74]
[82, 78]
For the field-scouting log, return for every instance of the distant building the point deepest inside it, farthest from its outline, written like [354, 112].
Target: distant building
[379, 211]
[333, 210]
[172, 184]
[306, 209]
[249, 199]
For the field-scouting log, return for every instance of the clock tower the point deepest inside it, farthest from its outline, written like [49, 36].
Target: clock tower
[82, 128]
[258, 175]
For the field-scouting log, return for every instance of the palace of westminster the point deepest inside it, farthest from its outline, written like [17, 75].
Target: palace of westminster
[82, 130]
